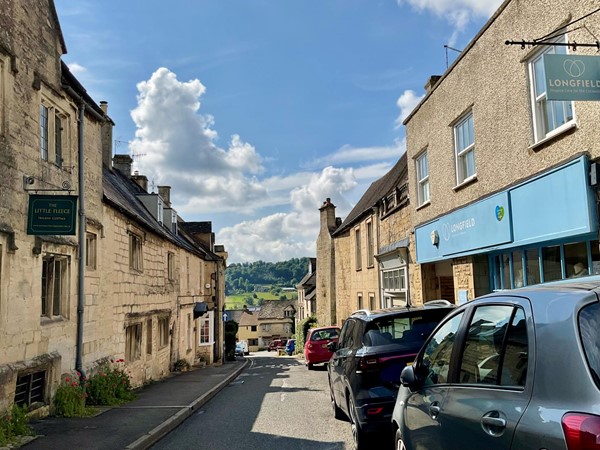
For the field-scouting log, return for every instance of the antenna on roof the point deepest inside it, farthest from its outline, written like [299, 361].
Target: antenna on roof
[451, 48]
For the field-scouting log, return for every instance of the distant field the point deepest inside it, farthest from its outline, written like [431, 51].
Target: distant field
[238, 301]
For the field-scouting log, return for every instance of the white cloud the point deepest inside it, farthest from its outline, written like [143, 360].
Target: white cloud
[406, 102]
[177, 146]
[76, 68]
[459, 13]
[348, 154]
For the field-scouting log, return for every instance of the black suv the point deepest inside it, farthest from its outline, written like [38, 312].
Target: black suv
[373, 348]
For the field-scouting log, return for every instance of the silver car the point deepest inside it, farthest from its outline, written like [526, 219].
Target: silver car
[514, 369]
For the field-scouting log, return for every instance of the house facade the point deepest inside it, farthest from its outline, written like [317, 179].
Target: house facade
[363, 262]
[306, 292]
[248, 329]
[93, 267]
[276, 320]
[502, 168]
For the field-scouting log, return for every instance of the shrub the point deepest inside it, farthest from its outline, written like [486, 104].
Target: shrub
[181, 365]
[303, 327]
[14, 424]
[110, 386]
[69, 400]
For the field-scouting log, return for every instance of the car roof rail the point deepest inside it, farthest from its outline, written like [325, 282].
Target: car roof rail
[364, 312]
[440, 302]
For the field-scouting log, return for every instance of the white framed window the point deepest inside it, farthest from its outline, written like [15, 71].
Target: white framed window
[206, 335]
[370, 245]
[395, 287]
[422, 170]
[54, 128]
[357, 245]
[133, 342]
[90, 251]
[464, 145]
[549, 117]
[135, 252]
[55, 285]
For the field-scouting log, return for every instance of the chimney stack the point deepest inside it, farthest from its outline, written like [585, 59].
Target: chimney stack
[123, 164]
[328, 215]
[165, 193]
[433, 79]
[106, 133]
[141, 180]
[104, 107]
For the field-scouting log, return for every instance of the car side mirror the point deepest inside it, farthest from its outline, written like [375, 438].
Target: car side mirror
[408, 377]
[332, 346]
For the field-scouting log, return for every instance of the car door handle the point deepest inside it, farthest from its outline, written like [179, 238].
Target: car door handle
[494, 421]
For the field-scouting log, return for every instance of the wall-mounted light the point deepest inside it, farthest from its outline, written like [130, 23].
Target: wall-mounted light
[435, 237]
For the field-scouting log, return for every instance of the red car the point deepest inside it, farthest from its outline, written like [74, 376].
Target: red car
[315, 348]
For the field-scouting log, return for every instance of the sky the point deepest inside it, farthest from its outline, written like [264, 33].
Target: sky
[256, 111]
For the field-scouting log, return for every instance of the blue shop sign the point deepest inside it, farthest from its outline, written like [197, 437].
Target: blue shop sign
[482, 224]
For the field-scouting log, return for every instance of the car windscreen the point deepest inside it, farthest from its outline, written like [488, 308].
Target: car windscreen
[321, 335]
[589, 328]
[407, 330]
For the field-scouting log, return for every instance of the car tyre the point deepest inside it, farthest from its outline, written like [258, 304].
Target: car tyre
[310, 366]
[337, 411]
[358, 435]
[398, 442]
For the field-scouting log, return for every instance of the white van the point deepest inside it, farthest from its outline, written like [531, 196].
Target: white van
[241, 347]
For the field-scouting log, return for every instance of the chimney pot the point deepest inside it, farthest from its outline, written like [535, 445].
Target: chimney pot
[104, 107]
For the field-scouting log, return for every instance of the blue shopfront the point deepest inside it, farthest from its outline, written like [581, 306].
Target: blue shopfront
[540, 230]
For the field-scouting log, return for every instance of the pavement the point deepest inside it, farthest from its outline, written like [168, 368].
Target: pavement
[158, 409]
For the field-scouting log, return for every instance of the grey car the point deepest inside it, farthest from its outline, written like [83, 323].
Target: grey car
[514, 369]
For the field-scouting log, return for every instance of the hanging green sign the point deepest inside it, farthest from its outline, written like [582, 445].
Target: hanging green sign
[52, 214]
[572, 77]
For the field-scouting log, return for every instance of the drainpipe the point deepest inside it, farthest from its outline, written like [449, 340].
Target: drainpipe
[82, 249]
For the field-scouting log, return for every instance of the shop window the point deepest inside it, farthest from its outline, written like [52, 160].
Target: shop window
[370, 245]
[517, 262]
[135, 252]
[163, 332]
[551, 263]
[55, 285]
[422, 169]
[549, 117]
[576, 259]
[533, 266]
[90, 251]
[149, 336]
[133, 342]
[464, 147]
[357, 249]
[30, 388]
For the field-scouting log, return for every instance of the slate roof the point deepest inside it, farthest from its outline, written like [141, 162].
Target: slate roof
[198, 227]
[396, 177]
[120, 192]
[248, 319]
[310, 279]
[273, 309]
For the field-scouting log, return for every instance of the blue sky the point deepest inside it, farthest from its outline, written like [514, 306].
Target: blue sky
[256, 111]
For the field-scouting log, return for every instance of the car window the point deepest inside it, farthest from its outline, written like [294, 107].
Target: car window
[324, 334]
[346, 339]
[435, 360]
[495, 350]
[589, 326]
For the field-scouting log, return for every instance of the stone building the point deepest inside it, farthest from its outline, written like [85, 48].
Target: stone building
[363, 262]
[502, 167]
[93, 268]
[307, 293]
[276, 321]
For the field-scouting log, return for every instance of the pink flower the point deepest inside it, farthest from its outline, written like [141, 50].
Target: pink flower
[67, 379]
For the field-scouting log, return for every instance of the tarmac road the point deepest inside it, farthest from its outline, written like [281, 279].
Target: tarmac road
[276, 403]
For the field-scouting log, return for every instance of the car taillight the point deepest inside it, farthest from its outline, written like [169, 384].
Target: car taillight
[582, 431]
[368, 363]
[374, 411]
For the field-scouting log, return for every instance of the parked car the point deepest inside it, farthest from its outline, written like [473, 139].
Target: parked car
[514, 369]
[244, 347]
[276, 344]
[240, 349]
[290, 346]
[315, 347]
[364, 371]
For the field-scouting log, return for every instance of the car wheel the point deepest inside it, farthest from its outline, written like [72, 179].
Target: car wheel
[358, 435]
[310, 366]
[398, 442]
[337, 411]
